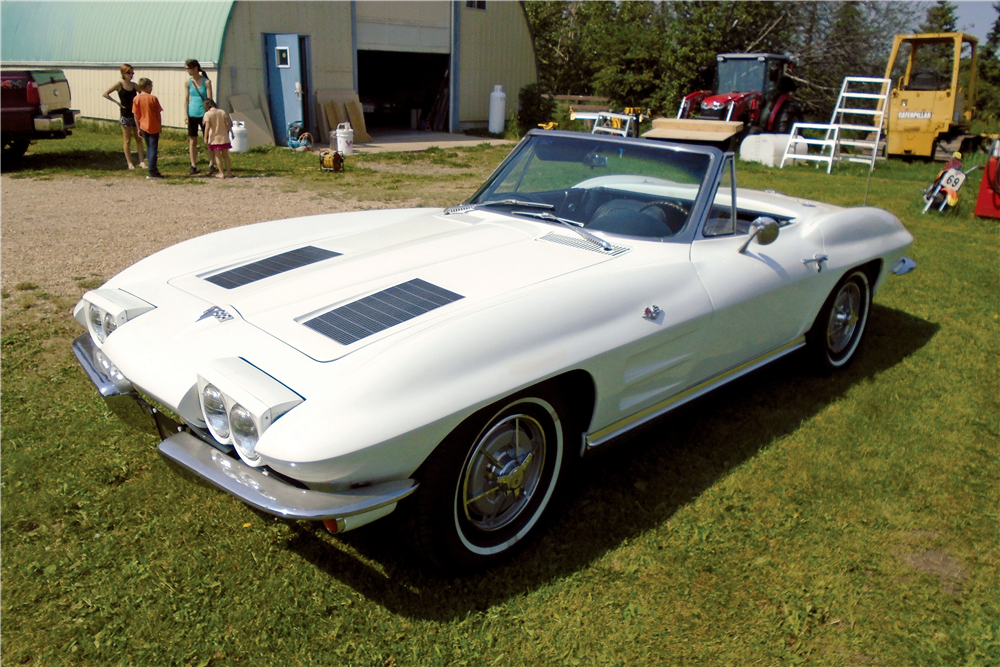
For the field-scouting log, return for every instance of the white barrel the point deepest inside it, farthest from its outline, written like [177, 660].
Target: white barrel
[345, 139]
[240, 138]
[498, 110]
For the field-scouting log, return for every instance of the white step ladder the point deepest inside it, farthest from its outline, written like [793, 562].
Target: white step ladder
[857, 123]
[608, 122]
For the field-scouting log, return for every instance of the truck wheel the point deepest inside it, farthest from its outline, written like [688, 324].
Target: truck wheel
[13, 149]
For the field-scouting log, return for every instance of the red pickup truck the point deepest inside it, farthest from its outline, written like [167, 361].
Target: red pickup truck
[34, 104]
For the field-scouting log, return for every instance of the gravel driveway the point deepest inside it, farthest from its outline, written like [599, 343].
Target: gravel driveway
[56, 232]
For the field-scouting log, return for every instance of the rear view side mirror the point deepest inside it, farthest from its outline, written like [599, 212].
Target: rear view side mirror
[764, 229]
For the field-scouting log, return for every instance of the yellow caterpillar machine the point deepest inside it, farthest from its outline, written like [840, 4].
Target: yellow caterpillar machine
[933, 95]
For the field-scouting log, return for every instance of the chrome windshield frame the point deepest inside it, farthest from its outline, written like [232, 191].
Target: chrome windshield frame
[705, 188]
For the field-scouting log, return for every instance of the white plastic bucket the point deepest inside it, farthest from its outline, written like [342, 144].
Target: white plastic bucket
[498, 110]
[240, 141]
[345, 139]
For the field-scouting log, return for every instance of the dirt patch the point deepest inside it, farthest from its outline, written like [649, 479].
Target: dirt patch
[937, 562]
[61, 232]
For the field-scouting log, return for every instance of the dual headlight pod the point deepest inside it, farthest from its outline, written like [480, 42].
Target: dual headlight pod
[102, 311]
[239, 402]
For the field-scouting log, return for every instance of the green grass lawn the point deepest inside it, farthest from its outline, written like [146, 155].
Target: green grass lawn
[788, 519]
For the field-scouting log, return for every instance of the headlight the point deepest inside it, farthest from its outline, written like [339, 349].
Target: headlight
[215, 411]
[244, 431]
[240, 402]
[103, 311]
[94, 318]
[109, 324]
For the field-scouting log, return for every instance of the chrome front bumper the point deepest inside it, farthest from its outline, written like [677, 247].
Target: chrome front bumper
[254, 486]
[267, 493]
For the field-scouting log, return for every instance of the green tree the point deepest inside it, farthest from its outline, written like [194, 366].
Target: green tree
[940, 18]
[988, 101]
[627, 40]
[563, 68]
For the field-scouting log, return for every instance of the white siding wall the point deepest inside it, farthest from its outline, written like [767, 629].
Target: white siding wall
[87, 84]
[423, 27]
[495, 49]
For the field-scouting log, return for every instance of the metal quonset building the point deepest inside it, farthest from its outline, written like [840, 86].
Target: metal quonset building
[397, 56]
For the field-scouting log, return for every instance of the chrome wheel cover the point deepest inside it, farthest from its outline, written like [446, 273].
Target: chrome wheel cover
[502, 472]
[844, 317]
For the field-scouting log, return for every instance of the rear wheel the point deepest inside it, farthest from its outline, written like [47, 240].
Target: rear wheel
[14, 149]
[836, 334]
[485, 490]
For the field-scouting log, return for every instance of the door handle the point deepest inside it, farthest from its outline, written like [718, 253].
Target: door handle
[298, 90]
[819, 259]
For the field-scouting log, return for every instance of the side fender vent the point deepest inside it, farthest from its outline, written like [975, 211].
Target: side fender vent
[380, 311]
[270, 266]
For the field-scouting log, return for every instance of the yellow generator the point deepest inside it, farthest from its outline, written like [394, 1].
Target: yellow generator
[933, 96]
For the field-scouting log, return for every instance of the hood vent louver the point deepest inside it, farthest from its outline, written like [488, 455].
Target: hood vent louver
[380, 311]
[270, 266]
[583, 244]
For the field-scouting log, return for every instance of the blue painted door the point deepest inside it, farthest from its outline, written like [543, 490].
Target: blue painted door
[284, 82]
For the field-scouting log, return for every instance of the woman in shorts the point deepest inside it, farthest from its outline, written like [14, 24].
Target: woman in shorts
[197, 89]
[126, 93]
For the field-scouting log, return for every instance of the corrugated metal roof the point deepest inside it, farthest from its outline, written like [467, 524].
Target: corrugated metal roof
[140, 33]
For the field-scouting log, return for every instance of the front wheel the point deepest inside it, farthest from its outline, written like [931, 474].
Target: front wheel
[485, 490]
[836, 334]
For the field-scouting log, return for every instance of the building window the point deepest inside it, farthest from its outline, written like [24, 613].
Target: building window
[475, 4]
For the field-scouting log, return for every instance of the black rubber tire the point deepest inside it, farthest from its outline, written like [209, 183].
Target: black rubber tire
[447, 527]
[14, 149]
[836, 335]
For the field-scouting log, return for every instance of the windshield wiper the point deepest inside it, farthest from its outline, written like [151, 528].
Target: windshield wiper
[572, 224]
[515, 202]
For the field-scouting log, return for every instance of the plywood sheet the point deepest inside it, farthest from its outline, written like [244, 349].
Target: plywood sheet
[241, 103]
[338, 95]
[357, 116]
[257, 132]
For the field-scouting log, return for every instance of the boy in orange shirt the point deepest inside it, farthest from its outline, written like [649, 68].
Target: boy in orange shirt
[147, 110]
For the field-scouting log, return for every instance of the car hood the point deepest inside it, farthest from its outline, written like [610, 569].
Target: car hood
[470, 258]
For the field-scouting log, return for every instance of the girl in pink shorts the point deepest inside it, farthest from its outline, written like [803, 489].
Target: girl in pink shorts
[218, 126]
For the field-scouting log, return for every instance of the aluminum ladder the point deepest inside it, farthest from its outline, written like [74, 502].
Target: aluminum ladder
[857, 122]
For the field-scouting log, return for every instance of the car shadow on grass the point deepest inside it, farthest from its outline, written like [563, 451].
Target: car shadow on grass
[615, 498]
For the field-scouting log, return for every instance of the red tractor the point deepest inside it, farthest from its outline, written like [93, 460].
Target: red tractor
[752, 90]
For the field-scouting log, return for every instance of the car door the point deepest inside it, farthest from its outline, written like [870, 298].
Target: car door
[763, 297]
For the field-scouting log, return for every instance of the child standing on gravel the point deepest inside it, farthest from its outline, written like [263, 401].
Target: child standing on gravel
[147, 110]
[217, 128]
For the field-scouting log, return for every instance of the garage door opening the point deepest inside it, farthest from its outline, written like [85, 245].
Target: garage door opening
[402, 90]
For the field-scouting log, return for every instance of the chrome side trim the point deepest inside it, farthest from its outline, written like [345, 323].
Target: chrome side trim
[609, 433]
[903, 266]
[269, 494]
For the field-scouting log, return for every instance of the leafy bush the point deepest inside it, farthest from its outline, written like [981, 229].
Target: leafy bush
[533, 107]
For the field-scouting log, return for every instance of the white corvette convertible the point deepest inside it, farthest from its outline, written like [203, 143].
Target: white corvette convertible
[455, 362]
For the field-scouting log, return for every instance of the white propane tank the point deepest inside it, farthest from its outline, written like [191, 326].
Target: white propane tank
[240, 138]
[498, 110]
[345, 139]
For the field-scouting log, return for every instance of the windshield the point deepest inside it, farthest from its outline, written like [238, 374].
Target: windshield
[741, 75]
[635, 189]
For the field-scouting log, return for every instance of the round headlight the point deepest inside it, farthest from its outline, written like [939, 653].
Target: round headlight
[94, 315]
[215, 410]
[244, 431]
[109, 324]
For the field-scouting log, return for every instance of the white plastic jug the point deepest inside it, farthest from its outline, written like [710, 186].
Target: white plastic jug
[498, 110]
[345, 139]
[240, 142]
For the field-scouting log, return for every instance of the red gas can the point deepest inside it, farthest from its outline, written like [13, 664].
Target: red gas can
[988, 202]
